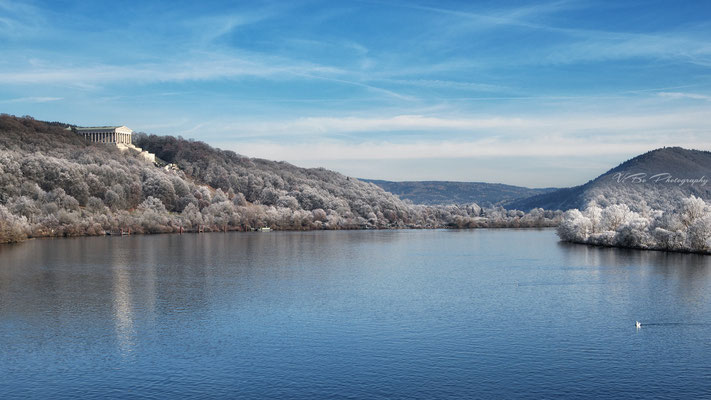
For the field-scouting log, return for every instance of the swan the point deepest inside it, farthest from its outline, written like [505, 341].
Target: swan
[639, 324]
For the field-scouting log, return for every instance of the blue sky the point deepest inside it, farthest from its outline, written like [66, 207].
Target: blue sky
[535, 94]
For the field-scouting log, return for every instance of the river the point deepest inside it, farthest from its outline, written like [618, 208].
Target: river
[351, 314]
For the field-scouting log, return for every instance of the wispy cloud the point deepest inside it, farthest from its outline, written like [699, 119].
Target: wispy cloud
[600, 124]
[212, 27]
[517, 16]
[579, 44]
[589, 45]
[448, 84]
[33, 100]
[337, 125]
[18, 20]
[384, 150]
[679, 95]
[199, 67]
[367, 86]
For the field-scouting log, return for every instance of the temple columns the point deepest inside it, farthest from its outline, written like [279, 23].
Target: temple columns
[108, 137]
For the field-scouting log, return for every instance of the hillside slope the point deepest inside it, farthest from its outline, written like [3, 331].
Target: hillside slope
[447, 192]
[657, 178]
[53, 183]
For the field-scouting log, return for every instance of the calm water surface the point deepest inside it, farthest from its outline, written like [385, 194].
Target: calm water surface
[367, 314]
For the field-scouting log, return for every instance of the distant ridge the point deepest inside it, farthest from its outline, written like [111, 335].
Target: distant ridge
[655, 178]
[449, 192]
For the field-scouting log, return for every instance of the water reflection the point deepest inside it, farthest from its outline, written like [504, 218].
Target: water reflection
[687, 267]
[123, 309]
[487, 313]
[685, 277]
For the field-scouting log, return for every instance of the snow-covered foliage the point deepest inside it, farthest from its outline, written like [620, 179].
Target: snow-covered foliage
[686, 226]
[53, 183]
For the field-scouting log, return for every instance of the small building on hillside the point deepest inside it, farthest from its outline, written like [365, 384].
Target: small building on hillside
[106, 134]
[118, 135]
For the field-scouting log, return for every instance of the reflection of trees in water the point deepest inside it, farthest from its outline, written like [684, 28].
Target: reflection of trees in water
[692, 263]
[688, 275]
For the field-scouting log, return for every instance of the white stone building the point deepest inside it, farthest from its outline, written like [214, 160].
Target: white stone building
[118, 135]
[106, 134]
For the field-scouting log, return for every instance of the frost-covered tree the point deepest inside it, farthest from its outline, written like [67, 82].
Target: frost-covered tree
[575, 227]
[12, 228]
[686, 226]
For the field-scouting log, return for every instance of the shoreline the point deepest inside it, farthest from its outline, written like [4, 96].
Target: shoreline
[192, 232]
[680, 251]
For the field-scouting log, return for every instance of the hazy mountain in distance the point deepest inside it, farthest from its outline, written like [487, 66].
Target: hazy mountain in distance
[657, 178]
[447, 192]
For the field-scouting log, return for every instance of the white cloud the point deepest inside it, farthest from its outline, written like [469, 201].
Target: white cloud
[605, 46]
[203, 66]
[448, 84]
[678, 95]
[331, 125]
[542, 147]
[581, 45]
[33, 100]
[321, 138]
[211, 27]
[19, 20]
[566, 125]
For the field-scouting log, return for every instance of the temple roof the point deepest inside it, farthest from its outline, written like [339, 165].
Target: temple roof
[102, 128]
[92, 128]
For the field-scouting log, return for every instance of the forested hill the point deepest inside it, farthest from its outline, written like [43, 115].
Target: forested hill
[658, 179]
[447, 192]
[53, 183]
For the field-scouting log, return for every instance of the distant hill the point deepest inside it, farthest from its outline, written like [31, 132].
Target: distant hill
[446, 192]
[658, 178]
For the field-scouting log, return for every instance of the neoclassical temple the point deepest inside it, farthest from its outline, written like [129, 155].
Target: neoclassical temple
[106, 134]
[118, 135]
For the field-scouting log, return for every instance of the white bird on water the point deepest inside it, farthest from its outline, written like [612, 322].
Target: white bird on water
[639, 324]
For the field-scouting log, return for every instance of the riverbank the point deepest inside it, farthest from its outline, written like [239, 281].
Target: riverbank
[74, 231]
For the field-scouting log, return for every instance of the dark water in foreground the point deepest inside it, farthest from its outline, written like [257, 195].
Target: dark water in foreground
[398, 314]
